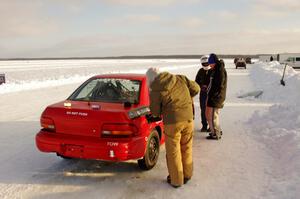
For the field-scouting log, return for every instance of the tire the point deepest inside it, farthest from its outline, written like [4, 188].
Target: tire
[152, 152]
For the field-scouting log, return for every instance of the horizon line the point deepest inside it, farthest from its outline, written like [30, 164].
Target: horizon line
[192, 56]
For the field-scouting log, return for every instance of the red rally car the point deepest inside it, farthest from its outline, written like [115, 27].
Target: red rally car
[106, 118]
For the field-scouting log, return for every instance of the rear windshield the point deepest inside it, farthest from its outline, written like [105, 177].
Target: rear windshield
[108, 90]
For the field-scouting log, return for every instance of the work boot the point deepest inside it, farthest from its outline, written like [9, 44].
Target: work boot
[213, 137]
[203, 129]
[185, 180]
[169, 181]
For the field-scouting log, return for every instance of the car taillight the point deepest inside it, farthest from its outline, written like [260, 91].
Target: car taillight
[134, 113]
[118, 130]
[47, 124]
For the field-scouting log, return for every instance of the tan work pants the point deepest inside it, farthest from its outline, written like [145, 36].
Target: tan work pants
[179, 141]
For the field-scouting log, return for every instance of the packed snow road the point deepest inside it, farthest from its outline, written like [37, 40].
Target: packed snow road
[237, 166]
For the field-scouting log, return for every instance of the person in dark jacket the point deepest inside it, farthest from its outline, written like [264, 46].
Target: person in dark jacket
[171, 97]
[216, 95]
[202, 78]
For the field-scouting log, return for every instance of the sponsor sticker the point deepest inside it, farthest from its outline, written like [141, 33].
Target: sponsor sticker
[75, 113]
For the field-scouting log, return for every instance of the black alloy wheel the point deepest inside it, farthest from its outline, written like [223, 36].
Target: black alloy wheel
[152, 152]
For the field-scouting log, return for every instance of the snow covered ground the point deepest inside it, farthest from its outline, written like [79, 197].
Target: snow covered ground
[258, 156]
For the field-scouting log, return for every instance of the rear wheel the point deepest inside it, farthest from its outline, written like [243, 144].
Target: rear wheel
[152, 152]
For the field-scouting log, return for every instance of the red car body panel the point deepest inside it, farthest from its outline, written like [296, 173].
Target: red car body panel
[78, 128]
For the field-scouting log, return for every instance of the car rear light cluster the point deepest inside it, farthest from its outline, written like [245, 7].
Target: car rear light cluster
[118, 130]
[47, 124]
[134, 113]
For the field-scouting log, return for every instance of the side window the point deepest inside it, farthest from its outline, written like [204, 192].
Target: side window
[87, 89]
[297, 58]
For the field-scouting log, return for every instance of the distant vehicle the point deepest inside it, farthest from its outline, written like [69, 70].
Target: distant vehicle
[2, 79]
[292, 59]
[240, 63]
[106, 118]
[294, 62]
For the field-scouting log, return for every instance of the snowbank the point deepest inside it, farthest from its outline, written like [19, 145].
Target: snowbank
[279, 127]
[267, 76]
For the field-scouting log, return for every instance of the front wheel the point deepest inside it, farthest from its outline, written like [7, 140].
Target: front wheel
[152, 152]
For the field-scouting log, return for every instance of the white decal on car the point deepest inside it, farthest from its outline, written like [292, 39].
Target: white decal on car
[76, 113]
[112, 143]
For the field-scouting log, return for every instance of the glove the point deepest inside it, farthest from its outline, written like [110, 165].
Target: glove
[152, 118]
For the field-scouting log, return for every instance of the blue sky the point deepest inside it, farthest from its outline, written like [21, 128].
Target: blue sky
[72, 28]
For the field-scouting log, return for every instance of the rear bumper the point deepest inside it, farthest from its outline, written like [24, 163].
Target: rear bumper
[116, 149]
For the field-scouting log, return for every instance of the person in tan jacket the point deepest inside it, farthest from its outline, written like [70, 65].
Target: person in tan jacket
[171, 98]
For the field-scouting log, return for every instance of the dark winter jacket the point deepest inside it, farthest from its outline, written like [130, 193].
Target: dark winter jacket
[171, 97]
[203, 78]
[217, 86]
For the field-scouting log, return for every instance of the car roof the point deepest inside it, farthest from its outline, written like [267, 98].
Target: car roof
[122, 76]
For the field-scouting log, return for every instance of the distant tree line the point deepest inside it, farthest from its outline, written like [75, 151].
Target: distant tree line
[223, 56]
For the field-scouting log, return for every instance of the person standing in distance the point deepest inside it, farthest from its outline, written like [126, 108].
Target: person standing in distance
[216, 95]
[203, 78]
[171, 97]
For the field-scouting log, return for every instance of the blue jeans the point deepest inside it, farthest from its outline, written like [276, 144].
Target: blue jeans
[203, 97]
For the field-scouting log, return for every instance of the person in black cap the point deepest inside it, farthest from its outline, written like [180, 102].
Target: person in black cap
[202, 78]
[216, 95]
